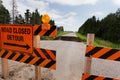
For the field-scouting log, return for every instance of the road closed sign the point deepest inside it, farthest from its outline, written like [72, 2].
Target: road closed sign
[17, 38]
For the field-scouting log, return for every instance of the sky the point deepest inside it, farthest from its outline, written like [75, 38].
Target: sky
[70, 14]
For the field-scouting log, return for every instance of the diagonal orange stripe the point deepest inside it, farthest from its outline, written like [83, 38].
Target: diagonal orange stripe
[116, 79]
[114, 56]
[33, 54]
[24, 58]
[34, 60]
[99, 78]
[41, 33]
[102, 78]
[9, 53]
[89, 48]
[51, 54]
[101, 52]
[85, 76]
[41, 53]
[16, 56]
[53, 66]
[1, 52]
[44, 63]
[35, 28]
[53, 34]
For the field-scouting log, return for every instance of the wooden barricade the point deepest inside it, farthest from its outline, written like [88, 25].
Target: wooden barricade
[94, 77]
[98, 52]
[15, 45]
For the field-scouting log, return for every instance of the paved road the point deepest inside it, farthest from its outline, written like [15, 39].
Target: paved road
[70, 59]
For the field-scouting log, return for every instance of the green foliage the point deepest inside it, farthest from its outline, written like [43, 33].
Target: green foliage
[19, 20]
[52, 22]
[84, 38]
[27, 16]
[59, 33]
[31, 18]
[108, 28]
[35, 18]
[90, 26]
[99, 42]
[60, 28]
[4, 14]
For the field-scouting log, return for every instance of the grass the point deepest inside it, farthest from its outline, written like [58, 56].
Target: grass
[99, 42]
[59, 33]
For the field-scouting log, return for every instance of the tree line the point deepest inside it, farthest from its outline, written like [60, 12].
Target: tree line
[28, 18]
[108, 28]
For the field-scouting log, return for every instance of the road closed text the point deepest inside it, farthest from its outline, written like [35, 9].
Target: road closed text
[16, 34]
[16, 30]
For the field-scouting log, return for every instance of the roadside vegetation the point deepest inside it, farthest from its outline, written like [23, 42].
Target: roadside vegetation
[99, 42]
[107, 28]
[59, 33]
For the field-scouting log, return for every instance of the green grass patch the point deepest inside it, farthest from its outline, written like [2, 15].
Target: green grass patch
[59, 33]
[82, 37]
[100, 42]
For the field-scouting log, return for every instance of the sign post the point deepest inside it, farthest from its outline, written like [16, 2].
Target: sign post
[4, 63]
[37, 68]
[4, 68]
[45, 26]
[88, 60]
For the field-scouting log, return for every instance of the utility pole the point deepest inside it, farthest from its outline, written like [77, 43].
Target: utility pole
[14, 10]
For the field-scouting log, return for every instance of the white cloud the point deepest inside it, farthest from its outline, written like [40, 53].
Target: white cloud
[54, 14]
[73, 2]
[67, 20]
[22, 5]
[97, 13]
[116, 2]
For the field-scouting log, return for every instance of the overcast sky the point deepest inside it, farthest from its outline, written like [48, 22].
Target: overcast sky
[68, 13]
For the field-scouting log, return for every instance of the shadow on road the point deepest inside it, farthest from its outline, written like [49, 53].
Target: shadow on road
[68, 38]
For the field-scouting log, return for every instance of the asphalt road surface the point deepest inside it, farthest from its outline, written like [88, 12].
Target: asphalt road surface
[70, 59]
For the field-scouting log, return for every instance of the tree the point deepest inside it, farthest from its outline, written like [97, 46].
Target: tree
[90, 26]
[37, 17]
[32, 18]
[4, 14]
[52, 22]
[16, 21]
[118, 13]
[0, 2]
[19, 19]
[108, 28]
[27, 16]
